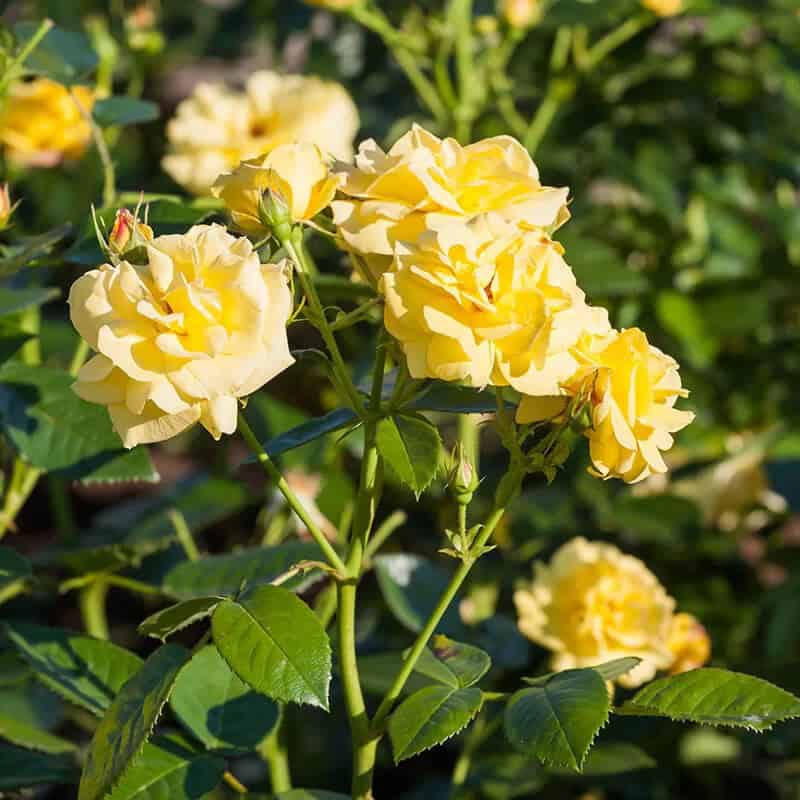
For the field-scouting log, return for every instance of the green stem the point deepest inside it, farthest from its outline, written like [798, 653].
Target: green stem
[543, 118]
[293, 242]
[430, 626]
[93, 609]
[23, 482]
[394, 521]
[109, 175]
[12, 69]
[61, 506]
[275, 752]
[364, 744]
[461, 18]
[184, 534]
[605, 46]
[291, 498]
[78, 357]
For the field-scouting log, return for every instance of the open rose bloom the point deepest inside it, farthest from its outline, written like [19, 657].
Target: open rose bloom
[180, 340]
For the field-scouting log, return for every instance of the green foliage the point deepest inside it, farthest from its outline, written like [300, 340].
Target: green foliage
[21, 768]
[276, 644]
[85, 671]
[715, 697]
[557, 721]
[123, 111]
[430, 717]
[63, 56]
[218, 708]
[128, 723]
[20, 733]
[412, 447]
[177, 617]
[455, 664]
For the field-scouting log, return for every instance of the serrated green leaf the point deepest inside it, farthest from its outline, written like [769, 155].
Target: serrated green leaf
[455, 664]
[63, 56]
[169, 769]
[411, 446]
[12, 301]
[218, 707]
[224, 575]
[129, 721]
[20, 768]
[124, 111]
[429, 717]
[712, 696]
[177, 617]
[275, 643]
[614, 758]
[21, 733]
[558, 720]
[609, 671]
[378, 671]
[87, 672]
[58, 432]
[411, 586]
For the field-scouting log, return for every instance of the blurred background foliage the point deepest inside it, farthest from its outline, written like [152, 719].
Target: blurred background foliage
[682, 151]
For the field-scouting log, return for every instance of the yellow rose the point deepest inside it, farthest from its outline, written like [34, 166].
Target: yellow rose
[42, 125]
[592, 603]
[389, 196]
[484, 302]
[336, 5]
[521, 13]
[688, 642]
[664, 8]
[632, 389]
[181, 339]
[297, 173]
[217, 127]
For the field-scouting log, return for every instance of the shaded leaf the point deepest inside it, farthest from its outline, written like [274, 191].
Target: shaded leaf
[13, 567]
[218, 707]
[614, 758]
[714, 696]
[85, 671]
[20, 768]
[275, 643]
[455, 664]
[129, 721]
[175, 618]
[12, 301]
[124, 111]
[558, 720]
[21, 733]
[28, 249]
[63, 56]
[378, 671]
[168, 769]
[429, 717]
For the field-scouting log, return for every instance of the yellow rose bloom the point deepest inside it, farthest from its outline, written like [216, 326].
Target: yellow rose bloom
[298, 174]
[483, 302]
[390, 196]
[217, 127]
[591, 604]
[521, 13]
[180, 340]
[664, 8]
[688, 642]
[632, 388]
[41, 124]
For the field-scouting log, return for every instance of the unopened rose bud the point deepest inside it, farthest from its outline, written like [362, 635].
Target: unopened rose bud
[128, 233]
[521, 13]
[664, 8]
[463, 479]
[6, 206]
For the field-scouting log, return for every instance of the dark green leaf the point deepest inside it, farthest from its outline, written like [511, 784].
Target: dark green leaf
[169, 769]
[58, 432]
[129, 721]
[28, 249]
[411, 446]
[20, 768]
[224, 575]
[411, 586]
[14, 300]
[378, 671]
[454, 399]
[23, 734]
[455, 664]
[430, 717]
[715, 697]
[275, 643]
[13, 567]
[9, 345]
[218, 708]
[175, 618]
[124, 111]
[84, 671]
[558, 720]
[62, 56]
[614, 758]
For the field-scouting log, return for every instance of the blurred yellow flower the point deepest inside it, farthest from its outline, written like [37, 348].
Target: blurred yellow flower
[217, 127]
[688, 642]
[336, 5]
[521, 13]
[181, 339]
[664, 8]
[395, 196]
[484, 302]
[297, 174]
[632, 388]
[41, 123]
[592, 603]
